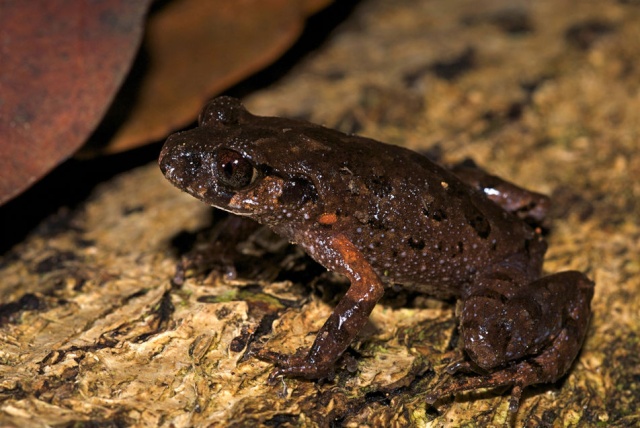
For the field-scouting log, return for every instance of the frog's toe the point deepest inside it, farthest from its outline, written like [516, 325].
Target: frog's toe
[468, 383]
[517, 376]
[278, 360]
[275, 358]
[297, 365]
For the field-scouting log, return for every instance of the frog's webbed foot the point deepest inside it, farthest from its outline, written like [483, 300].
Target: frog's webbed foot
[505, 377]
[296, 365]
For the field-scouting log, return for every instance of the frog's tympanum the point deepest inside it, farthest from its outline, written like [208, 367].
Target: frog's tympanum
[386, 216]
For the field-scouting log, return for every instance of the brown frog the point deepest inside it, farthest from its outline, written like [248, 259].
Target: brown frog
[382, 216]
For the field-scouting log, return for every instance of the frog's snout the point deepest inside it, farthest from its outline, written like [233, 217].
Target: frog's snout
[162, 161]
[165, 157]
[175, 162]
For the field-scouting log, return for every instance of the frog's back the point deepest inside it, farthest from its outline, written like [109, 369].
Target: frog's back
[415, 221]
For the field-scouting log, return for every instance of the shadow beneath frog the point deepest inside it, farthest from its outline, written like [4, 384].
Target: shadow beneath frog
[233, 247]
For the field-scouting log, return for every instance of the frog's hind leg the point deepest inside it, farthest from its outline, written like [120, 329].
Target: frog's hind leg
[530, 206]
[524, 337]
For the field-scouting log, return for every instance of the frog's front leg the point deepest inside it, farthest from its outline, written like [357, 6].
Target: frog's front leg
[346, 321]
[521, 335]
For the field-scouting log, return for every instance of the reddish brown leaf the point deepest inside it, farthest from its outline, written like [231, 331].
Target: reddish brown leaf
[61, 63]
[198, 48]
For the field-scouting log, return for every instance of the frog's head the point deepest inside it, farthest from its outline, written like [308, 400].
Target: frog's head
[230, 162]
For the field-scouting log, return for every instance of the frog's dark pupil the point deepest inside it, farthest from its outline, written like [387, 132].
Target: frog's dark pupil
[233, 169]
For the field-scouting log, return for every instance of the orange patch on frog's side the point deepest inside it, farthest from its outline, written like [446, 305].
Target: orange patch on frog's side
[327, 219]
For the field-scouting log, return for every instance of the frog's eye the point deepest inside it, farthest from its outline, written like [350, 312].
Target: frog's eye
[233, 169]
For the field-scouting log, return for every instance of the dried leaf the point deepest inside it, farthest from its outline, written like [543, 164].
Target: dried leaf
[197, 49]
[62, 63]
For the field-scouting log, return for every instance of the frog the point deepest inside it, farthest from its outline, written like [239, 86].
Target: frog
[386, 217]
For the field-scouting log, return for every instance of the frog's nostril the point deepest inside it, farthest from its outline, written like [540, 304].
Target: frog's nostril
[171, 155]
[161, 163]
[166, 154]
[165, 160]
